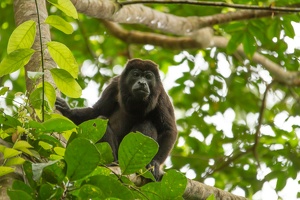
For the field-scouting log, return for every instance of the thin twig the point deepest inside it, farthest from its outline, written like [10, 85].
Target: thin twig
[260, 119]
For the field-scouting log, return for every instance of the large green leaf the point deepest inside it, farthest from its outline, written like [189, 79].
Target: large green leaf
[15, 60]
[92, 129]
[135, 152]
[64, 58]
[110, 187]
[82, 158]
[20, 185]
[172, 186]
[22, 37]
[57, 125]
[18, 194]
[66, 83]
[66, 6]
[59, 23]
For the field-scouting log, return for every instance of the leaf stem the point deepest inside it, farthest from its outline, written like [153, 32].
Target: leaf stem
[42, 60]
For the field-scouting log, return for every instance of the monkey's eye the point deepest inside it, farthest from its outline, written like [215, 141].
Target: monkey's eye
[149, 76]
[135, 73]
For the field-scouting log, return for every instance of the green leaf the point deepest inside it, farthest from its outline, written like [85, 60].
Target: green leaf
[5, 170]
[37, 169]
[20, 185]
[50, 93]
[65, 6]
[18, 194]
[66, 83]
[59, 23]
[249, 44]
[57, 125]
[235, 40]
[27, 166]
[88, 191]
[14, 161]
[15, 60]
[48, 191]
[82, 158]
[281, 181]
[55, 173]
[109, 186]
[9, 121]
[273, 30]
[22, 144]
[64, 58]
[3, 90]
[8, 153]
[59, 151]
[105, 152]
[172, 186]
[45, 145]
[135, 152]
[288, 28]
[35, 98]
[22, 37]
[92, 129]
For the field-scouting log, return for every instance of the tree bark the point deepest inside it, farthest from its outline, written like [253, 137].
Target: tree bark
[193, 191]
[26, 10]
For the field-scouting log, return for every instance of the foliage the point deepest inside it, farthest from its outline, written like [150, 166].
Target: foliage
[218, 98]
[56, 172]
[79, 170]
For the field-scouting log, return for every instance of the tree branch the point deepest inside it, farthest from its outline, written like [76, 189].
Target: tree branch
[169, 42]
[135, 14]
[195, 41]
[290, 78]
[194, 190]
[216, 4]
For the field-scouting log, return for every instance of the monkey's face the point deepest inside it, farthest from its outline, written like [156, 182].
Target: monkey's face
[141, 83]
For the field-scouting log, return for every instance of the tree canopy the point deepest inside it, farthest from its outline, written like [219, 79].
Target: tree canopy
[230, 67]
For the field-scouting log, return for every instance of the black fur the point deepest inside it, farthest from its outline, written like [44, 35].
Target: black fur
[133, 101]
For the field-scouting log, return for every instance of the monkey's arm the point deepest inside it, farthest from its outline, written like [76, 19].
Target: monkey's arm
[103, 107]
[166, 133]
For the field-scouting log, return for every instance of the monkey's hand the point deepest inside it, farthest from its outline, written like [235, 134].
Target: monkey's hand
[154, 168]
[62, 106]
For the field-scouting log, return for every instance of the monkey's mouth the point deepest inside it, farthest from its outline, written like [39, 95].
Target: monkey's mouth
[141, 92]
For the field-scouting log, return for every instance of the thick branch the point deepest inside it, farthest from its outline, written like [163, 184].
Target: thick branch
[215, 4]
[201, 40]
[194, 190]
[169, 42]
[139, 14]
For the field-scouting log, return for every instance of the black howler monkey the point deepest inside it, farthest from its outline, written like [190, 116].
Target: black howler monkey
[133, 101]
